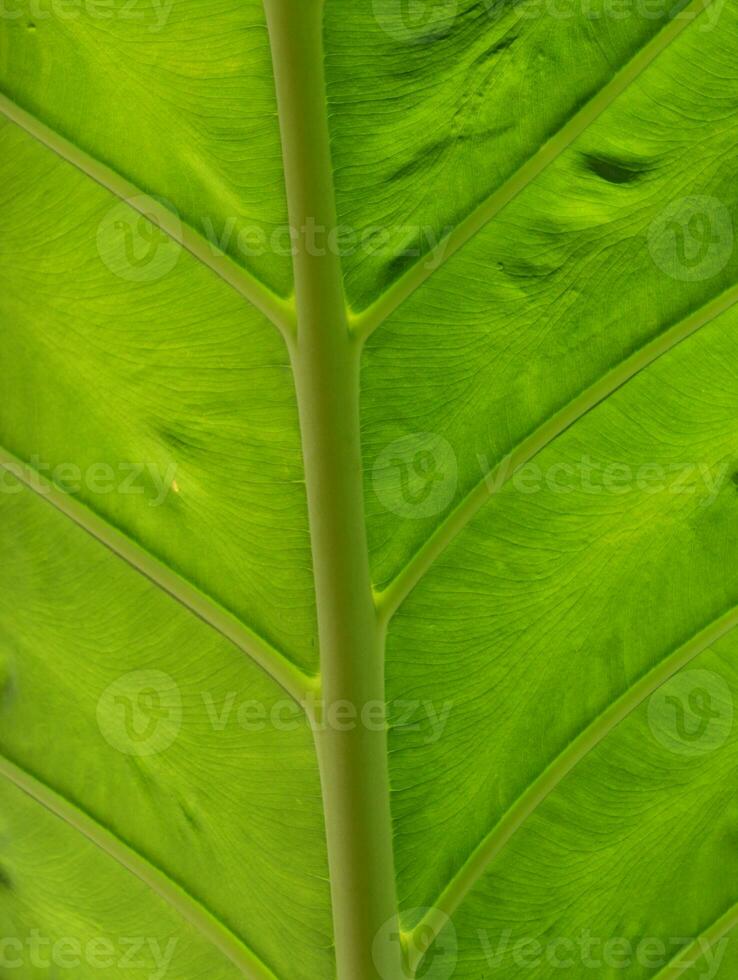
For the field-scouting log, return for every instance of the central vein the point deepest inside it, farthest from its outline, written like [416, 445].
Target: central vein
[325, 357]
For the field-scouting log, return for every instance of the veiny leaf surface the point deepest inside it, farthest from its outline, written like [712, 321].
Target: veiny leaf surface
[85, 637]
[431, 110]
[522, 320]
[176, 96]
[529, 288]
[88, 909]
[198, 426]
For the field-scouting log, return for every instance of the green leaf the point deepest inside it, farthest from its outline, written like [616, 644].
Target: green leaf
[368, 494]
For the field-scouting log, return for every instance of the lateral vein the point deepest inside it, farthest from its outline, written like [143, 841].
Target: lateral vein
[188, 907]
[272, 661]
[276, 309]
[695, 951]
[366, 322]
[391, 598]
[528, 802]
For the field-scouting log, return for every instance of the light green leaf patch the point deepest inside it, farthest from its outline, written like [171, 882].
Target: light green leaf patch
[362, 359]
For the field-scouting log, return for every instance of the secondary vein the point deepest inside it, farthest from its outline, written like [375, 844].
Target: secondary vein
[390, 599]
[366, 322]
[276, 309]
[280, 668]
[696, 950]
[150, 874]
[490, 847]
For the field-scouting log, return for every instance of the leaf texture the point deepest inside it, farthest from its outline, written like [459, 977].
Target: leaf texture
[534, 209]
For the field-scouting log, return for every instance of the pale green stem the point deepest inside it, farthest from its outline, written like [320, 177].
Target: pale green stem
[352, 754]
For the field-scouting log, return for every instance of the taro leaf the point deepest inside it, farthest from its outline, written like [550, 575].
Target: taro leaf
[368, 506]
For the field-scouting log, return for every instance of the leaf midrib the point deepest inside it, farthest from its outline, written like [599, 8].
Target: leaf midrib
[282, 312]
[363, 324]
